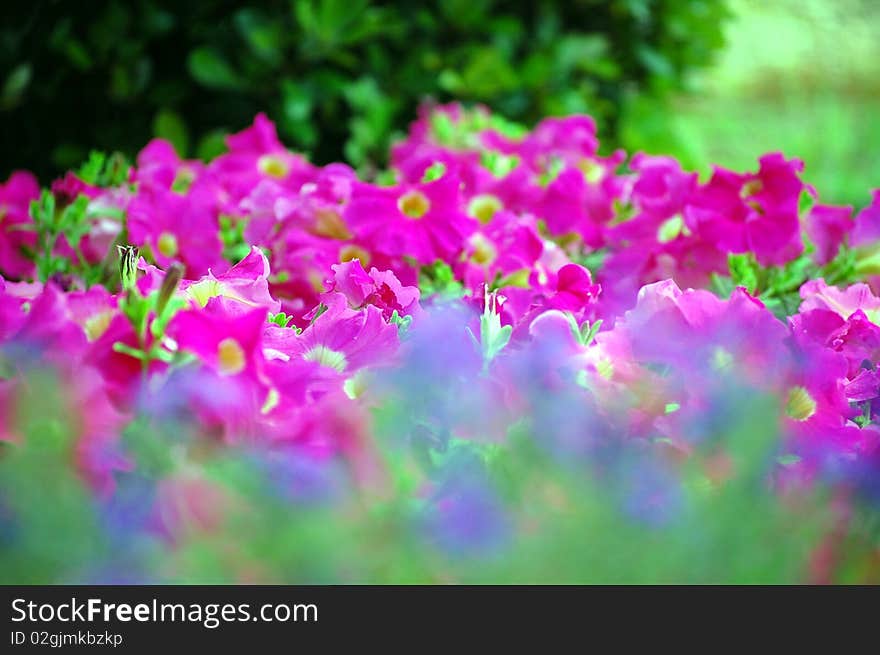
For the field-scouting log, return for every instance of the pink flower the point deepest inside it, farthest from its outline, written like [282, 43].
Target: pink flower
[70, 187]
[92, 310]
[301, 264]
[160, 167]
[256, 154]
[574, 289]
[508, 247]
[755, 212]
[422, 221]
[230, 345]
[122, 373]
[380, 289]
[564, 207]
[178, 227]
[16, 195]
[15, 298]
[582, 197]
[817, 294]
[317, 207]
[817, 408]
[346, 340]
[661, 188]
[827, 227]
[867, 227]
[571, 138]
[700, 334]
[855, 337]
[48, 331]
[246, 285]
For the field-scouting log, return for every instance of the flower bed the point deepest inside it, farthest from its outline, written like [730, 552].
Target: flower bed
[506, 359]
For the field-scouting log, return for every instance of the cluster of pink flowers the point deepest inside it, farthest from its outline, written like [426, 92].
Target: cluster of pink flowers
[278, 303]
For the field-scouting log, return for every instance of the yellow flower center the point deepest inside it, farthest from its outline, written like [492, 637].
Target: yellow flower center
[230, 357]
[750, 188]
[273, 166]
[167, 244]
[747, 192]
[97, 325]
[593, 171]
[414, 204]
[484, 252]
[326, 357]
[800, 405]
[328, 223]
[350, 252]
[484, 207]
[203, 291]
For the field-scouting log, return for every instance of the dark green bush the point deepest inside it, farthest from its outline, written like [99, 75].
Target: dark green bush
[338, 76]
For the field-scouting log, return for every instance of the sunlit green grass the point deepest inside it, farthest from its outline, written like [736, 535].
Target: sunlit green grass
[801, 77]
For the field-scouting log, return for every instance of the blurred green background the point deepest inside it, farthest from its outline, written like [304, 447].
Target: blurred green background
[339, 77]
[706, 80]
[801, 76]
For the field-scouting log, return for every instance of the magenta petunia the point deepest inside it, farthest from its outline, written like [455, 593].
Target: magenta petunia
[574, 289]
[424, 221]
[571, 138]
[16, 235]
[175, 227]
[855, 337]
[582, 199]
[246, 285]
[505, 249]
[256, 154]
[346, 340]
[867, 223]
[69, 187]
[380, 289]
[816, 294]
[755, 212]
[123, 374]
[228, 343]
[827, 227]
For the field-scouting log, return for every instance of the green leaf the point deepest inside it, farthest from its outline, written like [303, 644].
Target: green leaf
[589, 331]
[721, 285]
[438, 279]
[15, 86]
[125, 349]
[263, 35]
[402, 323]
[210, 69]
[280, 319]
[211, 145]
[169, 125]
[744, 271]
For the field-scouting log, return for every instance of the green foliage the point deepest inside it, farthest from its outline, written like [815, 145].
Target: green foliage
[51, 222]
[338, 76]
[280, 319]
[438, 279]
[778, 286]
